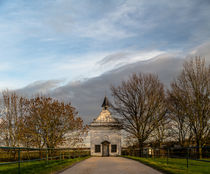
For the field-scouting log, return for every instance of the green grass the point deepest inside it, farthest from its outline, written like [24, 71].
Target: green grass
[39, 167]
[175, 166]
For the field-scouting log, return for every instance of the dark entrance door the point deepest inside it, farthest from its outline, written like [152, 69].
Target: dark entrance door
[105, 148]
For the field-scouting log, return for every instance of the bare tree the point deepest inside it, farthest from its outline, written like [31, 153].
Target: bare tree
[140, 103]
[161, 133]
[10, 118]
[190, 100]
[179, 123]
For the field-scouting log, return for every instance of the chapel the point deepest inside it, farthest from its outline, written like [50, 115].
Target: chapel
[105, 133]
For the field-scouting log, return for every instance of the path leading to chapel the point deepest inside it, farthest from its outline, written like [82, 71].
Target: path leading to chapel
[110, 165]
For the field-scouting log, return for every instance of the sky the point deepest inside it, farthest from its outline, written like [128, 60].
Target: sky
[74, 50]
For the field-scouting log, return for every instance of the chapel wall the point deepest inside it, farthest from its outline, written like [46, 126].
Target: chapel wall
[97, 136]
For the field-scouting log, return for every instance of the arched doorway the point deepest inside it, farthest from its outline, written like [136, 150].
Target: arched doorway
[105, 148]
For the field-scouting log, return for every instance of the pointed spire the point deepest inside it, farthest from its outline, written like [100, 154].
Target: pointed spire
[105, 104]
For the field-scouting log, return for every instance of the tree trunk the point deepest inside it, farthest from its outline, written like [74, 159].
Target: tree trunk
[140, 148]
[199, 150]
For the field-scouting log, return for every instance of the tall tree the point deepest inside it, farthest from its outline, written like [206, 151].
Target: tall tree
[190, 99]
[11, 113]
[179, 123]
[140, 103]
[39, 122]
[49, 123]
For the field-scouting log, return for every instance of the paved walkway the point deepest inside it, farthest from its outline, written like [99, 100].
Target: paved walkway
[110, 165]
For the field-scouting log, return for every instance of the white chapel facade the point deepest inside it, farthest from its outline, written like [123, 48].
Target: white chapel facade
[105, 134]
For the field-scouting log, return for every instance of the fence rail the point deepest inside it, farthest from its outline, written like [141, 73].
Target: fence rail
[188, 153]
[18, 155]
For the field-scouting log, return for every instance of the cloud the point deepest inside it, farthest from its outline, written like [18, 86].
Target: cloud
[96, 63]
[124, 19]
[39, 87]
[202, 51]
[92, 23]
[87, 95]
[121, 58]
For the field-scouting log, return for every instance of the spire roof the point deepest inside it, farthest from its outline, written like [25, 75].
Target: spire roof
[105, 118]
[105, 104]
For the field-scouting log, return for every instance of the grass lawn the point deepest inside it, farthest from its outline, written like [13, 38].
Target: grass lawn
[39, 167]
[175, 166]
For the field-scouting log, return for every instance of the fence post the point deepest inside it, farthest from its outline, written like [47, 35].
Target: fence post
[187, 156]
[154, 152]
[18, 161]
[52, 154]
[47, 156]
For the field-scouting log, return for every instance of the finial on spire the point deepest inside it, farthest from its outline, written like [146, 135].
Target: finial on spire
[105, 104]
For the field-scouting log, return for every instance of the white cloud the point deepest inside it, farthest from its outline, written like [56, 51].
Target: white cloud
[95, 64]
[121, 58]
